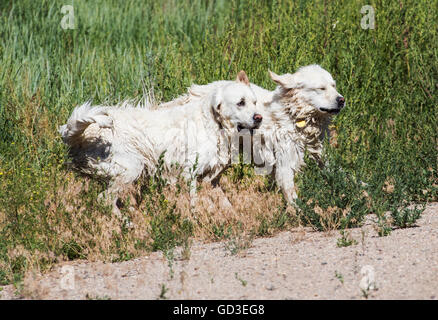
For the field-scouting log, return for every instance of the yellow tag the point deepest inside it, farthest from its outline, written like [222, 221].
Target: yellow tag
[301, 124]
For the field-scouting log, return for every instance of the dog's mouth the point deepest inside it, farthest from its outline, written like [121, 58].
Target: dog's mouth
[241, 126]
[330, 111]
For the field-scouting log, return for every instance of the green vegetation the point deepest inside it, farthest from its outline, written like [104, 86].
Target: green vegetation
[383, 155]
[345, 240]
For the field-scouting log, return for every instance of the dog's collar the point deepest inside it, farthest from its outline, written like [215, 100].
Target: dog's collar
[301, 123]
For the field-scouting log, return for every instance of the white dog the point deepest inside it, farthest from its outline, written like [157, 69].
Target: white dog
[121, 143]
[295, 117]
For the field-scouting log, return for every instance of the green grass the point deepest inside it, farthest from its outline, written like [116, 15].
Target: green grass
[387, 134]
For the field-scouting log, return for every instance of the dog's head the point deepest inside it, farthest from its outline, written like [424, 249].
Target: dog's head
[314, 86]
[234, 105]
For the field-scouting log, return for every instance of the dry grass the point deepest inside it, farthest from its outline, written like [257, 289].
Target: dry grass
[85, 228]
[251, 204]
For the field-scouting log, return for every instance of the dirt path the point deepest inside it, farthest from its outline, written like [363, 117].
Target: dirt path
[292, 265]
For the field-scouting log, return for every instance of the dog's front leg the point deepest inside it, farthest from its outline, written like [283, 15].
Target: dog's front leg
[223, 201]
[284, 178]
[193, 193]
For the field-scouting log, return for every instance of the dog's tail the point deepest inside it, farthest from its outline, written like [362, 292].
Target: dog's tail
[80, 119]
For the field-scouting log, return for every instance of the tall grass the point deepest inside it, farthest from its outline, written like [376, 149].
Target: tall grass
[386, 137]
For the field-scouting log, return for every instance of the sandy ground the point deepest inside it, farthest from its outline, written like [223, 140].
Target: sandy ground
[300, 264]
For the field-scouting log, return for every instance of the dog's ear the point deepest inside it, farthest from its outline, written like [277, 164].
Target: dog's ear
[286, 80]
[242, 77]
[216, 101]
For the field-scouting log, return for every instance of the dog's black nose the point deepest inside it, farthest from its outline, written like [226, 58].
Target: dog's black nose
[340, 101]
[257, 117]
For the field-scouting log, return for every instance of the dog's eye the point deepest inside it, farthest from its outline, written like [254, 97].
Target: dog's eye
[321, 88]
[241, 103]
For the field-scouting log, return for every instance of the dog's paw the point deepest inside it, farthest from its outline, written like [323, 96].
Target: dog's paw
[224, 203]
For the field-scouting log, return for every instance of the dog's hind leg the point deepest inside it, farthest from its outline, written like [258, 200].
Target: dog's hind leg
[125, 172]
[224, 203]
[112, 197]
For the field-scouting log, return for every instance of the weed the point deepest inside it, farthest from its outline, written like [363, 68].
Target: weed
[238, 244]
[345, 240]
[405, 217]
[344, 208]
[163, 292]
[383, 227]
[243, 282]
[186, 249]
[96, 297]
[339, 276]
